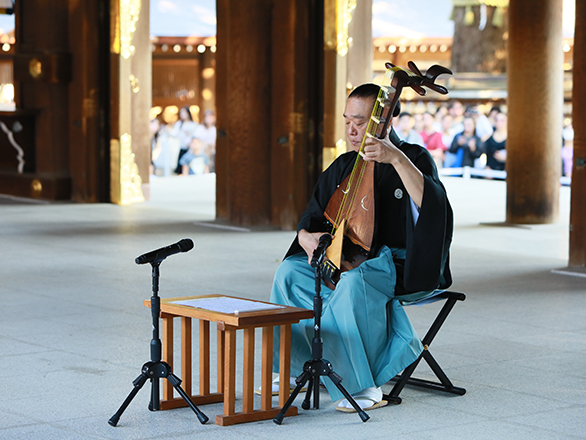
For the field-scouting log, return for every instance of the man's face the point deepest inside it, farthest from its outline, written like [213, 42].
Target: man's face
[357, 114]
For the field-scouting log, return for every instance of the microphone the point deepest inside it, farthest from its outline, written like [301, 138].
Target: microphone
[159, 255]
[320, 251]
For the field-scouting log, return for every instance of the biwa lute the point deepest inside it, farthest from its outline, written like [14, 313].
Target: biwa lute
[351, 209]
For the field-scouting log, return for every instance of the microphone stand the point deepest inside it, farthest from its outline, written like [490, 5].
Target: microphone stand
[316, 367]
[156, 369]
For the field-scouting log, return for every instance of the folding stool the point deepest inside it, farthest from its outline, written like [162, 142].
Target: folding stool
[405, 378]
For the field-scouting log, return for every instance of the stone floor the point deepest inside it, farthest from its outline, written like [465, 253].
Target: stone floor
[74, 333]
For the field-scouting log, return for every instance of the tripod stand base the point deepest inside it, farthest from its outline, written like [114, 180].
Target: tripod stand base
[312, 371]
[155, 371]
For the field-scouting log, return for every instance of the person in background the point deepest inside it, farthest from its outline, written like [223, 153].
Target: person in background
[440, 113]
[483, 127]
[456, 111]
[432, 140]
[206, 133]
[194, 161]
[492, 115]
[405, 131]
[418, 122]
[162, 159]
[446, 125]
[568, 150]
[466, 145]
[154, 128]
[494, 146]
[184, 130]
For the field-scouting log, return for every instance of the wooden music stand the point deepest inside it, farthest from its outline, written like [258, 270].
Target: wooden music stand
[227, 325]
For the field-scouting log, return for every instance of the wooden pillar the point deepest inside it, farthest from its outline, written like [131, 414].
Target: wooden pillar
[222, 141]
[268, 97]
[42, 72]
[535, 100]
[243, 93]
[130, 97]
[578, 207]
[207, 81]
[281, 87]
[360, 52]
[141, 89]
[296, 94]
[83, 75]
[289, 114]
[348, 58]
[337, 16]
[89, 101]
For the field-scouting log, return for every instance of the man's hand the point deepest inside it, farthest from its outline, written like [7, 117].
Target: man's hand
[309, 242]
[380, 150]
[384, 151]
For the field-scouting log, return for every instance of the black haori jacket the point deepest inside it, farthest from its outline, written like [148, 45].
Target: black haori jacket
[427, 244]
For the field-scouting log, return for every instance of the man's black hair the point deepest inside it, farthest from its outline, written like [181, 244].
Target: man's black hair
[370, 90]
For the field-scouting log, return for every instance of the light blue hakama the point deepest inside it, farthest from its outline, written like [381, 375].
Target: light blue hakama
[365, 346]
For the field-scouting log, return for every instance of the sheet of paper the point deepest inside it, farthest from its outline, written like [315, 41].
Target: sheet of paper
[225, 304]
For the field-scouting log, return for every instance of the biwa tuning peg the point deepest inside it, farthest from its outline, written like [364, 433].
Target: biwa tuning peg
[434, 71]
[414, 68]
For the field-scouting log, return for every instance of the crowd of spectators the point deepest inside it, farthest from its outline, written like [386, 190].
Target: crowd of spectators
[184, 147]
[467, 137]
[454, 136]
